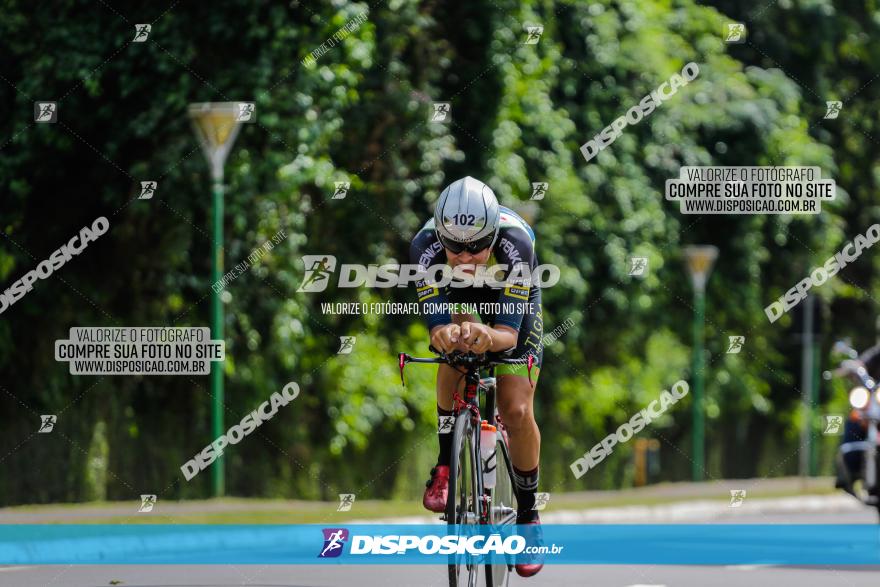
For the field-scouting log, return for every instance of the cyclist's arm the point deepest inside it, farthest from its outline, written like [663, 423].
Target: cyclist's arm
[426, 251]
[515, 249]
[503, 338]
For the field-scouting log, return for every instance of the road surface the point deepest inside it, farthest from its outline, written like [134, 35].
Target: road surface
[837, 512]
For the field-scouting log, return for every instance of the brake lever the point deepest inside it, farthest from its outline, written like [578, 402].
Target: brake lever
[401, 364]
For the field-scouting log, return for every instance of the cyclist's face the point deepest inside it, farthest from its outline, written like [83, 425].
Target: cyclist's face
[466, 258]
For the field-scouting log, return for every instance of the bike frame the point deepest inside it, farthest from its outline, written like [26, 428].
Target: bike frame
[485, 511]
[472, 364]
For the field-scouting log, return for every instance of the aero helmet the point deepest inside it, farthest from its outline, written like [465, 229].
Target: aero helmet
[467, 216]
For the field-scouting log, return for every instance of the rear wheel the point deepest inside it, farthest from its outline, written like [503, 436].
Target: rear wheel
[462, 505]
[502, 511]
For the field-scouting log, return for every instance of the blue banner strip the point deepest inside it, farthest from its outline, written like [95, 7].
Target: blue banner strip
[672, 544]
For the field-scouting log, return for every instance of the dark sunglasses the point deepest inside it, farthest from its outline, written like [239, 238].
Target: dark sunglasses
[471, 247]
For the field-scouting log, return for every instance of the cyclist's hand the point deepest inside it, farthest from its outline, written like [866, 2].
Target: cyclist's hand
[477, 337]
[446, 338]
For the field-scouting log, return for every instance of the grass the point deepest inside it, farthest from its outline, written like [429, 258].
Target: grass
[267, 511]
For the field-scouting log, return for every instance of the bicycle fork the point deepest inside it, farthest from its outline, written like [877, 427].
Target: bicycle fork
[471, 404]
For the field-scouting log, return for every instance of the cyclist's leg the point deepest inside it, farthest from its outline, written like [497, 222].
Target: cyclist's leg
[436, 489]
[516, 406]
[449, 379]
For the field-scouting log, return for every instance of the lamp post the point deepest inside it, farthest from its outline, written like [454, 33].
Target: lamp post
[699, 263]
[216, 125]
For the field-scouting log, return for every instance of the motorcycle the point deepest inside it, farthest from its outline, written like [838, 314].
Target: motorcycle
[857, 458]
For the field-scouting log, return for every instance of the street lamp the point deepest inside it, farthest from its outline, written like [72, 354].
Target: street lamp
[216, 125]
[699, 263]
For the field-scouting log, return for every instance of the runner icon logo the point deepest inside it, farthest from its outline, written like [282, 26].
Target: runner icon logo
[833, 423]
[833, 108]
[737, 497]
[334, 540]
[444, 424]
[148, 188]
[346, 500]
[442, 112]
[141, 32]
[638, 266]
[246, 112]
[45, 112]
[341, 189]
[147, 503]
[539, 189]
[346, 345]
[735, 344]
[541, 501]
[47, 423]
[318, 270]
[736, 33]
[534, 34]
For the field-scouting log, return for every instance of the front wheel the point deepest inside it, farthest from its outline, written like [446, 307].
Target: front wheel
[502, 506]
[462, 503]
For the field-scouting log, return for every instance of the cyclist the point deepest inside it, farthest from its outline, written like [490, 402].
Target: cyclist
[470, 229]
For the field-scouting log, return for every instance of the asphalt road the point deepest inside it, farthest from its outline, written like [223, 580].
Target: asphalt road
[424, 576]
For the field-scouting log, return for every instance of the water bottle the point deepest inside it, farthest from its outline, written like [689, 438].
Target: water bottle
[487, 454]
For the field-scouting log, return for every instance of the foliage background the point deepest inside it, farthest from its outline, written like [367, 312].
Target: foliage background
[520, 113]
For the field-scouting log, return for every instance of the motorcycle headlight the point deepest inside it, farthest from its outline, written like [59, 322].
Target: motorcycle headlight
[859, 397]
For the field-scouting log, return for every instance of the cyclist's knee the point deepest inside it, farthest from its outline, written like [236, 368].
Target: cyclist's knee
[517, 415]
[447, 380]
[448, 376]
[515, 402]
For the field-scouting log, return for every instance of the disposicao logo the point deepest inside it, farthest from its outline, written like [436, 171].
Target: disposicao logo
[320, 268]
[56, 261]
[394, 544]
